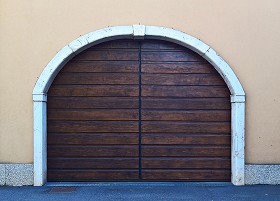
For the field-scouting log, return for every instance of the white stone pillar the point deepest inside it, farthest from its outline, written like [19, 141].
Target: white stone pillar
[237, 139]
[40, 141]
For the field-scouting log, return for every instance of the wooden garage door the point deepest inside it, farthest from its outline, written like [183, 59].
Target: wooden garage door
[138, 110]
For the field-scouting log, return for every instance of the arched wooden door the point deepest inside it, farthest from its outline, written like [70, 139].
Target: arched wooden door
[138, 110]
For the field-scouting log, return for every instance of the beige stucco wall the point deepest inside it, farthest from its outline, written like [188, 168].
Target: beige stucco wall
[246, 33]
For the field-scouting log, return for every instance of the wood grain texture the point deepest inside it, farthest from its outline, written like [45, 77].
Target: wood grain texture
[68, 102]
[97, 78]
[186, 115]
[93, 114]
[101, 67]
[93, 138]
[97, 105]
[93, 163]
[190, 175]
[186, 163]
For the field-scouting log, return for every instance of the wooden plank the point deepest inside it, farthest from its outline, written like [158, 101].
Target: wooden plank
[97, 78]
[187, 163]
[184, 139]
[183, 127]
[93, 90]
[205, 175]
[169, 56]
[107, 55]
[93, 163]
[92, 138]
[185, 91]
[89, 175]
[93, 102]
[182, 79]
[184, 151]
[177, 67]
[161, 45]
[93, 126]
[186, 103]
[94, 115]
[101, 67]
[93, 151]
[185, 115]
[117, 44]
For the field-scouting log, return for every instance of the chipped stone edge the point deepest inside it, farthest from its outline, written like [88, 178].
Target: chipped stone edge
[137, 32]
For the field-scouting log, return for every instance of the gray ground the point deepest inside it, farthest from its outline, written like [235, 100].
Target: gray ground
[142, 192]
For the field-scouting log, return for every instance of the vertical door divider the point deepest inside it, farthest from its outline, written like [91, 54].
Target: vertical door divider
[139, 111]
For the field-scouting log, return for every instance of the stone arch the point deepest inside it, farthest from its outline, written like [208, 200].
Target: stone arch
[138, 32]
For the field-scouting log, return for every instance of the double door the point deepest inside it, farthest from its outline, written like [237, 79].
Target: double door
[129, 110]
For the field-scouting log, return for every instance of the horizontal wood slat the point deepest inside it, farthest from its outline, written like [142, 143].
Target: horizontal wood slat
[170, 139]
[182, 127]
[186, 103]
[169, 56]
[190, 175]
[186, 151]
[176, 68]
[93, 102]
[94, 115]
[91, 175]
[93, 126]
[185, 91]
[87, 90]
[187, 163]
[93, 163]
[101, 67]
[93, 151]
[193, 115]
[93, 139]
[107, 55]
[182, 79]
[97, 78]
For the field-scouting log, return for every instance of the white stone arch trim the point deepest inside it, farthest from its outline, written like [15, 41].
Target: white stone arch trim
[138, 32]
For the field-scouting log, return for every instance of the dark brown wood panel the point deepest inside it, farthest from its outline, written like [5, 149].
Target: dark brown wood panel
[91, 175]
[177, 67]
[186, 115]
[93, 163]
[186, 103]
[101, 67]
[185, 91]
[193, 175]
[93, 126]
[184, 150]
[117, 44]
[97, 78]
[92, 151]
[94, 115]
[96, 108]
[186, 163]
[182, 79]
[111, 55]
[184, 139]
[167, 56]
[93, 90]
[183, 127]
[93, 138]
[93, 102]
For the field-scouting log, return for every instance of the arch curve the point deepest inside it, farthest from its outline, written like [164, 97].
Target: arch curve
[138, 32]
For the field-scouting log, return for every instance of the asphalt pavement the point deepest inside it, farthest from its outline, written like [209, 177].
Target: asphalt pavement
[141, 192]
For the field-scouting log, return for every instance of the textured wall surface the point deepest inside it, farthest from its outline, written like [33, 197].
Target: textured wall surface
[245, 33]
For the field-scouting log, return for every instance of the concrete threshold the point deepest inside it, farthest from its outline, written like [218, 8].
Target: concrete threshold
[140, 184]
